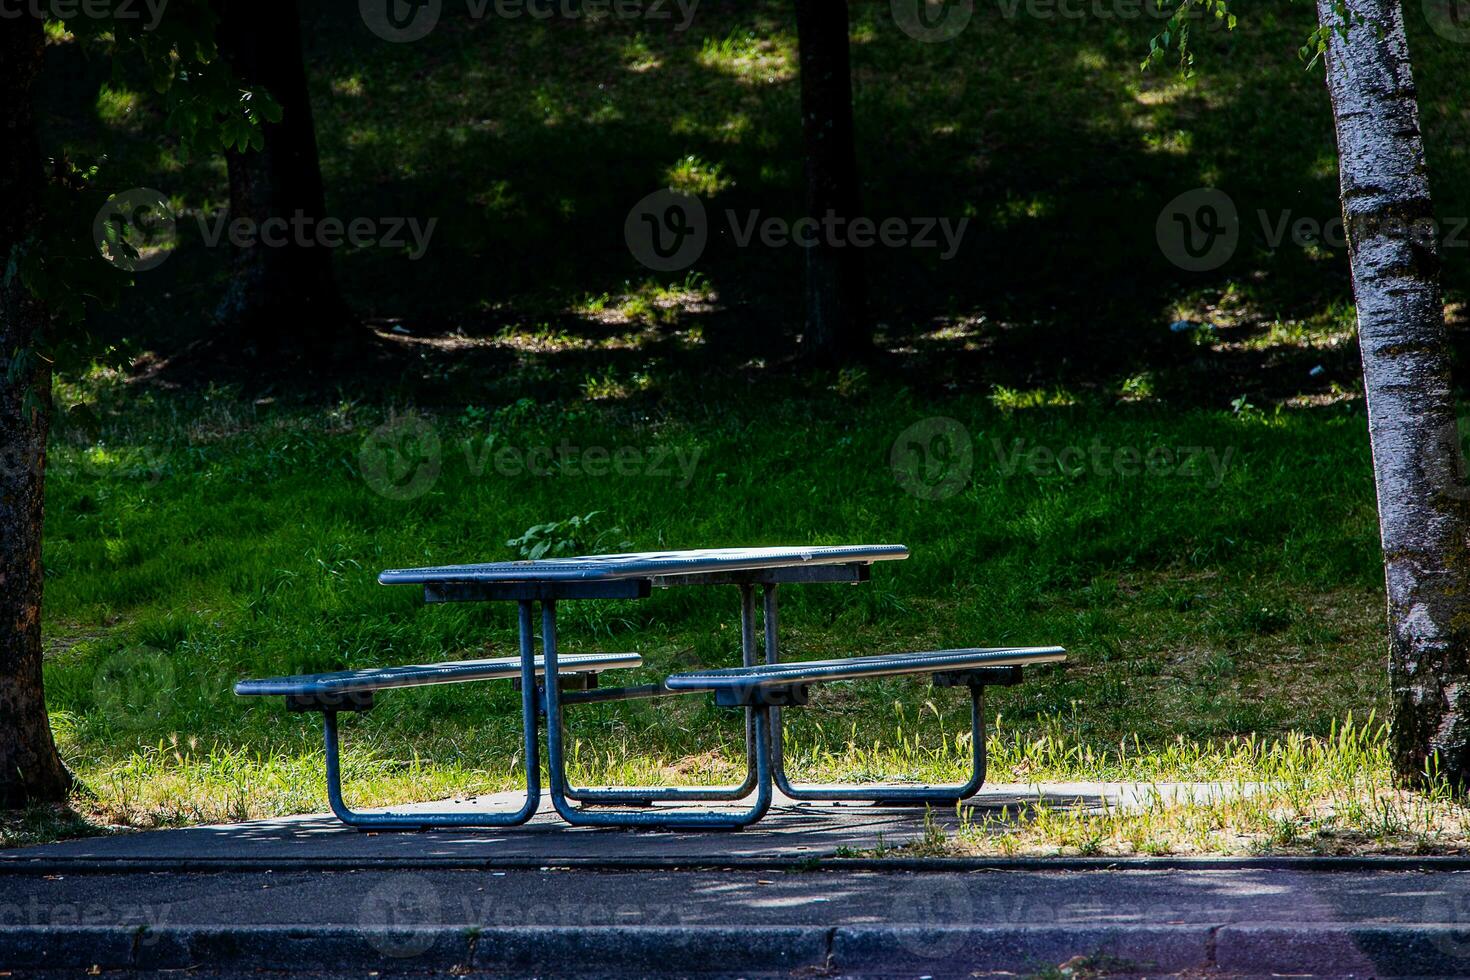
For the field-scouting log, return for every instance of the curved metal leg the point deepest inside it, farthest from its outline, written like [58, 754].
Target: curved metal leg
[899, 795]
[388, 820]
[646, 795]
[706, 820]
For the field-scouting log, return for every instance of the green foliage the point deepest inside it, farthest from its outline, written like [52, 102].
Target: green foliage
[205, 107]
[59, 264]
[1316, 45]
[1175, 34]
[573, 536]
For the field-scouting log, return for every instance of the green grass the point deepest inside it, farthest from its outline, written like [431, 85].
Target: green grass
[196, 537]
[196, 540]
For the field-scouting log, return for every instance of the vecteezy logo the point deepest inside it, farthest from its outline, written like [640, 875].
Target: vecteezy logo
[399, 914]
[1450, 19]
[18, 462]
[400, 20]
[667, 230]
[1199, 229]
[936, 909]
[932, 20]
[135, 230]
[400, 459]
[133, 687]
[932, 459]
[1446, 467]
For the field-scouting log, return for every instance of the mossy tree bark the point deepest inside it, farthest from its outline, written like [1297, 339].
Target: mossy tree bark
[30, 769]
[1423, 495]
[836, 316]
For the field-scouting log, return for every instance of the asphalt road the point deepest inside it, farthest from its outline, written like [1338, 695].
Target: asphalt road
[1228, 922]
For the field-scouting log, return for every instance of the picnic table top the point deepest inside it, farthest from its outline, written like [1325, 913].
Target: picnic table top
[645, 564]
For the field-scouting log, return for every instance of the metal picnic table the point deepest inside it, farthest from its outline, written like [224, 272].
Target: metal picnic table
[760, 688]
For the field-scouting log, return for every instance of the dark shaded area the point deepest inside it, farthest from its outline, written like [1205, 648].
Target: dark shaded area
[527, 141]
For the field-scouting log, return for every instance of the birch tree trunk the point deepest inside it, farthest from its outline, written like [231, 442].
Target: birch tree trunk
[1417, 460]
[30, 769]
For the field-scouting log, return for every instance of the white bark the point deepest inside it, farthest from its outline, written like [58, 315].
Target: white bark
[1417, 461]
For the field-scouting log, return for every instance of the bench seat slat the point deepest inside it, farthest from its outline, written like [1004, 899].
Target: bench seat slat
[420, 675]
[857, 668]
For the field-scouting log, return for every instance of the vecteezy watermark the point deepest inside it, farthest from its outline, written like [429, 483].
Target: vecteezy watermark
[933, 459]
[19, 462]
[305, 231]
[1104, 10]
[1100, 459]
[938, 20]
[34, 912]
[411, 20]
[137, 229]
[1201, 229]
[1447, 906]
[1446, 466]
[931, 21]
[1450, 19]
[134, 688]
[403, 458]
[667, 231]
[149, 11]
[567, 459]
[399, 915]
[1304, 231]
[934, 913]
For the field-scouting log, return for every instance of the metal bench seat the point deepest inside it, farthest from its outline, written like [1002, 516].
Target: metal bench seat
[740, 680]
[353, 690]
[772, 686]
[422, 675]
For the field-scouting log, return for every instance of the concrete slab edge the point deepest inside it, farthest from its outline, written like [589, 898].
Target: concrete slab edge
[18, 863]
[1383, 950]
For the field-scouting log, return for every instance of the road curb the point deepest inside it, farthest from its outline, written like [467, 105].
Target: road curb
[1419, 950]
[100, 864]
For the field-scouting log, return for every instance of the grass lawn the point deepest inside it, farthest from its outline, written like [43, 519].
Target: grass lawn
[195, 540]
[1190, 513]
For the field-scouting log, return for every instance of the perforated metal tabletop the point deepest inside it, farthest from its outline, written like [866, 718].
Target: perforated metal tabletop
[644, 565]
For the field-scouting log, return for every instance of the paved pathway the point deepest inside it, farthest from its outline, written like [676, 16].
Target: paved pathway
[305, 894]
[793, 832]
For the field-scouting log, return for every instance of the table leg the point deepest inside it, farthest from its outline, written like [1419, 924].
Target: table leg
[914, 794]
[674, 820]
[646, 795]
[389, 820]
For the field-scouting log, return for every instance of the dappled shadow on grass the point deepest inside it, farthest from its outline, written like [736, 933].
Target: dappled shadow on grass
[528, 141]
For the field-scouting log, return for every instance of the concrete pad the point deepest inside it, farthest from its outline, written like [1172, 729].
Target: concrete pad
[792, 832]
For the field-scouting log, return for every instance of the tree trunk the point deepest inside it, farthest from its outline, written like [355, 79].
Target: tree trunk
[281, 299]
[836, 325]
[30, 769]
[1417, 460]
